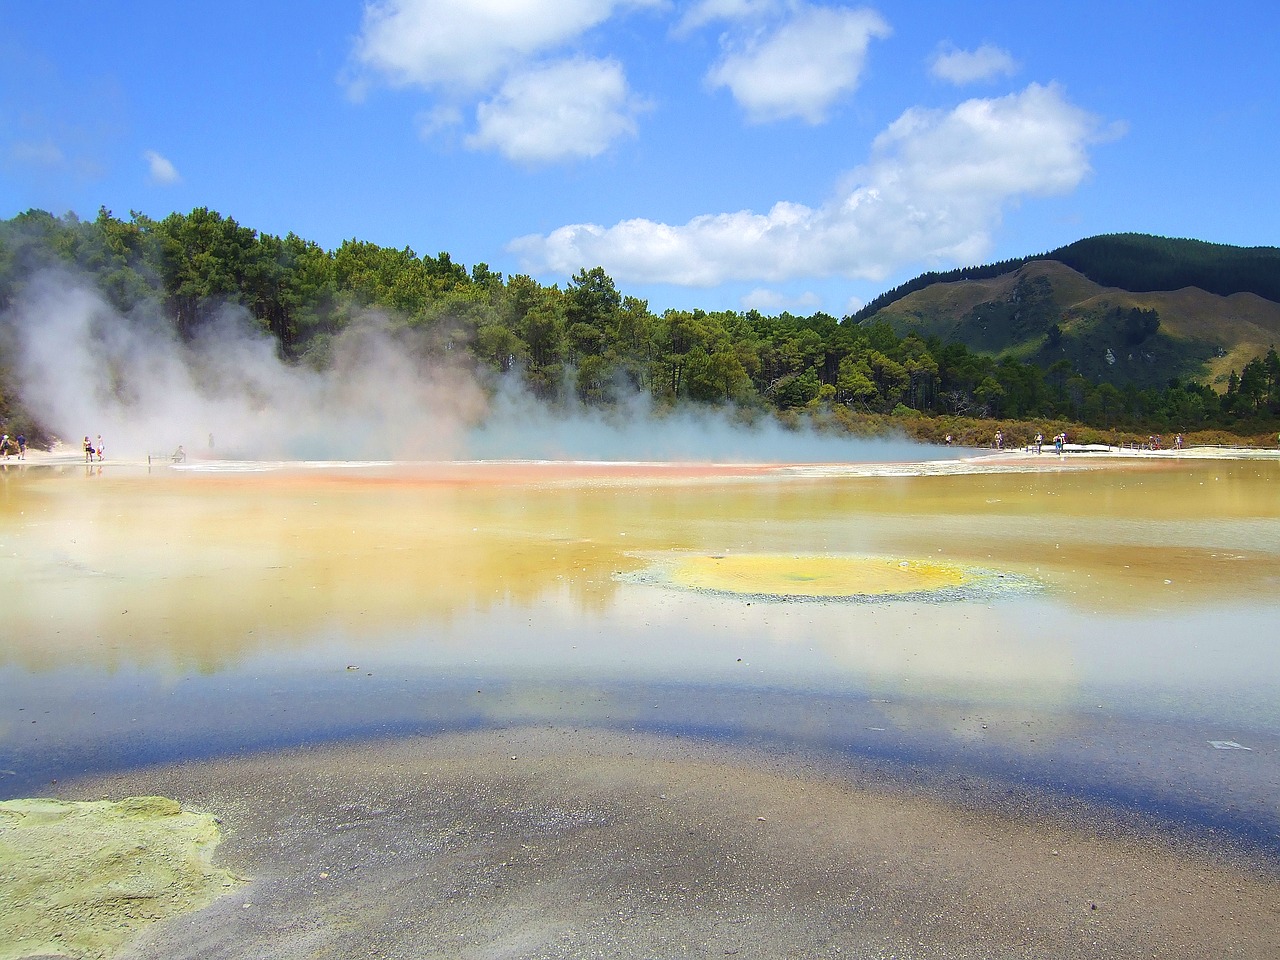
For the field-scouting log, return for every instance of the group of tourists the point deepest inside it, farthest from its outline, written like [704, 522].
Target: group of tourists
[14, 445]
[92, 450]
[1059, 440]
[1037, 444]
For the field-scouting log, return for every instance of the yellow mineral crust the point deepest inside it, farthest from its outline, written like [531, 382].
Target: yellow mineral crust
[818, 576]
[79, 879]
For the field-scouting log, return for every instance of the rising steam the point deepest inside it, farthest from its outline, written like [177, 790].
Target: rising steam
[84, 369]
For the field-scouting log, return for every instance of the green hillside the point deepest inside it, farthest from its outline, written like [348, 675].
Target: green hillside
[1141, 263]
[1130, 261]
[1125, 309]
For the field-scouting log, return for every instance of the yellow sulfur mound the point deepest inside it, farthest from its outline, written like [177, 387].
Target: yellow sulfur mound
[79, 879]
[781, 575]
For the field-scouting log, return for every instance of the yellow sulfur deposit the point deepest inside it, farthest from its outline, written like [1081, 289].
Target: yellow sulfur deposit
[79, 879]
[818, 576]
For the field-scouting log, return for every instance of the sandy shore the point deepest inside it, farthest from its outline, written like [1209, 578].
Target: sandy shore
[565, 844]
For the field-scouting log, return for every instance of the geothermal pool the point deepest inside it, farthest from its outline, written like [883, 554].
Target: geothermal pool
[1099, 632]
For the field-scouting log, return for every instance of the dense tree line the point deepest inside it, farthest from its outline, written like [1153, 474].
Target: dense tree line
[588, 339]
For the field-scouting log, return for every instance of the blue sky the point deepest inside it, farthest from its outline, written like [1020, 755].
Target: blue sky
[715, 153]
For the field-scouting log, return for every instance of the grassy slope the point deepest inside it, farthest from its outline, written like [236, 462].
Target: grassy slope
[1238, 327]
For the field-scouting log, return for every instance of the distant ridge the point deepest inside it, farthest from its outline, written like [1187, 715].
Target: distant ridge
[1136, 262]
[1144, 264]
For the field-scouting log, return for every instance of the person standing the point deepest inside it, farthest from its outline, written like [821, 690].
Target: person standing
[88, 450]
[100, 447]
[22, 446]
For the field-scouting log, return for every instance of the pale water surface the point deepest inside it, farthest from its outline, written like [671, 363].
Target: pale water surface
[1123, 649]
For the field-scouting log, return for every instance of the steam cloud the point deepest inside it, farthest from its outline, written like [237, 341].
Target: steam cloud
[83, 369]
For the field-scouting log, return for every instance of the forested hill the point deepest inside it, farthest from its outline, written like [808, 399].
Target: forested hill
[590, 343]
[1135, 262]
[1124, 309]
[1143, 264]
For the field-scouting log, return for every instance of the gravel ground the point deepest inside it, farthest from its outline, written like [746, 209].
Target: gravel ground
[566, 844]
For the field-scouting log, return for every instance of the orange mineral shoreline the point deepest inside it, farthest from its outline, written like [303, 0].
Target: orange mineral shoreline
[525, 472]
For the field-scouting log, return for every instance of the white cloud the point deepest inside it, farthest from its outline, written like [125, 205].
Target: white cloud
[160, 169]
[470, 50]
[802, 67]
[935, 186]
[469, 44]
[573, 108]
[970, 66]
[709, 11]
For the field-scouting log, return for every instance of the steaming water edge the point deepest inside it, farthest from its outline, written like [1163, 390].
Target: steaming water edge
[183, 615]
